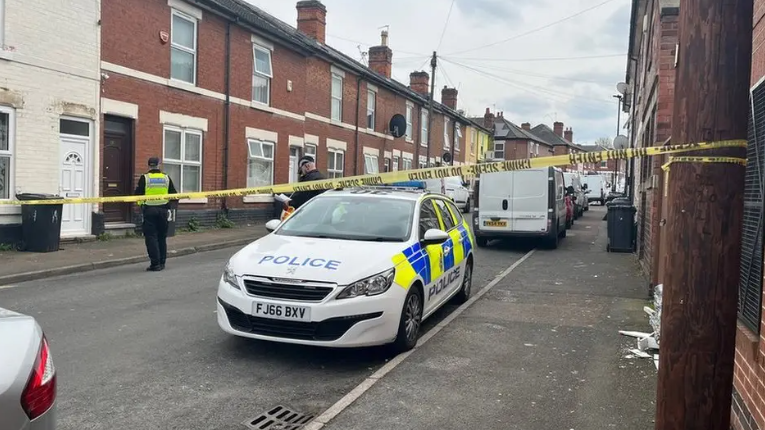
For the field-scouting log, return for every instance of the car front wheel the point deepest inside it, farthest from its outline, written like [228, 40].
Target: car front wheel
[467, 284]
[409, 325]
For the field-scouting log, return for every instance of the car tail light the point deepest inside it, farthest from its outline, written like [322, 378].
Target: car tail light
[40, 392]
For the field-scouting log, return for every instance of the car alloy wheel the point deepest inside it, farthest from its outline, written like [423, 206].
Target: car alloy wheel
[412, 317]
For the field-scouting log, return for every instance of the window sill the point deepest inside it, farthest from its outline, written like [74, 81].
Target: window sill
[183, 85]
[258, 198]
[409, 140]
[260, 106]
[747, 343]
[6, 55]
[200, 201]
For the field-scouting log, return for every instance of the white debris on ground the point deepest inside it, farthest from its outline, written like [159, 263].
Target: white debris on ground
[647, 343]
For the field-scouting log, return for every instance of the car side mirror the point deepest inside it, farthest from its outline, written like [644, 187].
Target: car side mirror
[435, 236]
[272, 225]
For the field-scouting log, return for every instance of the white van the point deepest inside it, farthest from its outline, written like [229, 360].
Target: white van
[580, 203]
[596, 185]
[453, 188]
[523, 203]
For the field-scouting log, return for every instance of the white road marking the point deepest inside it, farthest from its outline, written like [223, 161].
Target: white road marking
[347, 400]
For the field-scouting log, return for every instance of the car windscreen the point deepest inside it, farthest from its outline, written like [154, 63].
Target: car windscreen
[352, 217]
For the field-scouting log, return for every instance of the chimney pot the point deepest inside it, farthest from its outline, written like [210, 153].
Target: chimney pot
[312, 19]
[558, 128]
[569, 135]
[449, 97]
[526, 126]
[419, 82]
[381, 57]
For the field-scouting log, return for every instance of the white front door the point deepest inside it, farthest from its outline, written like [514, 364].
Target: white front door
[74, 183]
[294, 157]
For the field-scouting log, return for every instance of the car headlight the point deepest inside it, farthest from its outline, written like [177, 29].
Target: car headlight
[371, 286]
[230, 278]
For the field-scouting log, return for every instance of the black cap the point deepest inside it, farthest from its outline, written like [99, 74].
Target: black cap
[305, 159]
[153, 162]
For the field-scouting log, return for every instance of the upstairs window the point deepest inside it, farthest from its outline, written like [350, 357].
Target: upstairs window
[371, 108]
[424, 127]
[409, 123]
[262, 74]
[183, 48]
[337, 97]
[447, 143]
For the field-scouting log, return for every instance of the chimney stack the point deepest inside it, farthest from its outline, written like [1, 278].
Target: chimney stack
[419, 83]
[558, 128]
[488, 119]
[449, 97]
[381, 57]
[569, 135]
[312, 19]
[526, 126]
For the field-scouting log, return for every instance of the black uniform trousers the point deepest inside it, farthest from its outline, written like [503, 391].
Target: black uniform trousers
[155, 226]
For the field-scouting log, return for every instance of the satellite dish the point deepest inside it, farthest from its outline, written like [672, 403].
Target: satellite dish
[621, 142]
[398, 125]
[622, 87]
[447, 157]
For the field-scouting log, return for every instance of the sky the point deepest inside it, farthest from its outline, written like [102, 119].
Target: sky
[523, 58]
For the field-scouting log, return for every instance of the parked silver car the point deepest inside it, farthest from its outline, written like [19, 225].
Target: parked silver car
[27, 375]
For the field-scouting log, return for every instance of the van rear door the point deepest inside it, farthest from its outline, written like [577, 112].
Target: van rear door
[494, 202]
[530, 200]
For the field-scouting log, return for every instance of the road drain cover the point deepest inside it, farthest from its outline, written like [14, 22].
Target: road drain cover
[278, 418]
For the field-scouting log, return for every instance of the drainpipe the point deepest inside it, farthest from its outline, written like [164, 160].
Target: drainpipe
[226, 113]
[455, 139]
[356, 144]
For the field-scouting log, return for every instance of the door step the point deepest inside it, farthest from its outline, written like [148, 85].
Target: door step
[120, 228]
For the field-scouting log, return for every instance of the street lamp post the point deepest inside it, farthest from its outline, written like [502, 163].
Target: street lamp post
[621, 87]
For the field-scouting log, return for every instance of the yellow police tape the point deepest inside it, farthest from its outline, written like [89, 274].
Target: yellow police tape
[412, 175]
[665, 167]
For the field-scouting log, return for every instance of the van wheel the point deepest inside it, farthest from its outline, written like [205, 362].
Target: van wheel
[409, 324]
[467, 206]
[552, 242]
[482, 242]
[467, 284]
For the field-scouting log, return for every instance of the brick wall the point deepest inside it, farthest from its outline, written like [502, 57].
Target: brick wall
[48, 68]
[300, 104]
[748, 408]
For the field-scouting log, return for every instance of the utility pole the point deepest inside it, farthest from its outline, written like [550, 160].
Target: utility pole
[704, 221]
[433, 62]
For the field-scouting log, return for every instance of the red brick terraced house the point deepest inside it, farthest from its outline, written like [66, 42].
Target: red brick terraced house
[512, 142]
[230, 97]
[650, 100]
[650, 75]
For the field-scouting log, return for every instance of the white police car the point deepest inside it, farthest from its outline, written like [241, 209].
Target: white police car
[350, 268]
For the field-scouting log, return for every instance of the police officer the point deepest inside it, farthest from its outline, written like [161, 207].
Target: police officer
[155, 213]
[308, 172]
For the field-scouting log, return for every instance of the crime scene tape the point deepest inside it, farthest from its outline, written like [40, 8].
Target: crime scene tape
[410, 175]
[666, 166]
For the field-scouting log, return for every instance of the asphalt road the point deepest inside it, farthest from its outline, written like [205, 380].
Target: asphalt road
[137, 350]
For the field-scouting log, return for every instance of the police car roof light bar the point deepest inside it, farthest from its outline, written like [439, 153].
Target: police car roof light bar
[390, 188]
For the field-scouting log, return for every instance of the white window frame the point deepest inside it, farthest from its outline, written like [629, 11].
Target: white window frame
[407, 164]
[335, 173]
[10, 152]
[374, 161]
[178, 182]
[371, 112]
[314, 151]
[396, 161]
[386, 164]
[194, 51]
[2, 25]
[339, 116]
[263, 144]
[409, 122]
[256, 73]
[425, 123]
[447, 143]
[502, 151]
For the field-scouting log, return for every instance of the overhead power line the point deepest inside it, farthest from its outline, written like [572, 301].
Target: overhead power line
[541, 75]
[534, 30]
[510, 60]
[418, 54]
[446, 25]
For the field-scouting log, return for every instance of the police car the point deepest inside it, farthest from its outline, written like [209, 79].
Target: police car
[352, 267]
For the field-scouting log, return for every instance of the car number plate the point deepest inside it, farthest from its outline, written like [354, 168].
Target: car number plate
[281, 312]
[495, 223]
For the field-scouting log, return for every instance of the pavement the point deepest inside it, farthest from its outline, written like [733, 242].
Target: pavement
[539, 350]
[75, 257]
